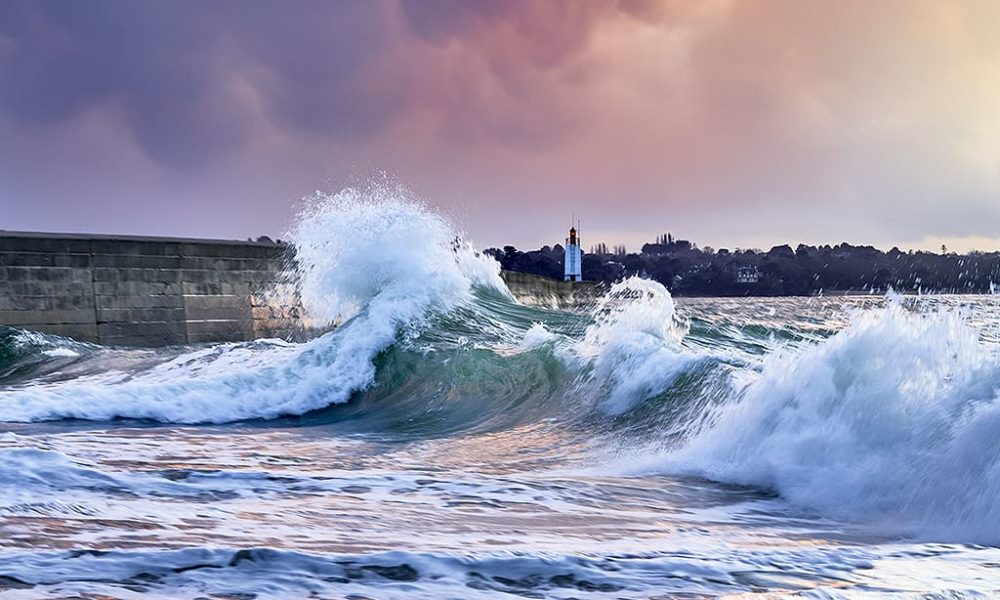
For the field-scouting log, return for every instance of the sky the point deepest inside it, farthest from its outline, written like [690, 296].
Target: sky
[732, 123]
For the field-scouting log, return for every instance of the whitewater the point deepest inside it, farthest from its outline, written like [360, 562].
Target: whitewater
[442, 441]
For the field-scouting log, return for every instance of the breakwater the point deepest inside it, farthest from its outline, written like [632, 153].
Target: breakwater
[535, 290]
[144, 291]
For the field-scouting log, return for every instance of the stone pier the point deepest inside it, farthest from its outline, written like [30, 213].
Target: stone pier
[145, 291]
[535, 290]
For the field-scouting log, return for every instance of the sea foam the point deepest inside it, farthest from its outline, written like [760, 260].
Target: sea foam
[632, 349]
[895, 420]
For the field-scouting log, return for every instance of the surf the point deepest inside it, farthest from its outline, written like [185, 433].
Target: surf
[892, 421]
[889, 418]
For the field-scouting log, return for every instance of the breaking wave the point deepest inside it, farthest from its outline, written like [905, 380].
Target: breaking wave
[891, 420]
[894, 420]
[381, 265]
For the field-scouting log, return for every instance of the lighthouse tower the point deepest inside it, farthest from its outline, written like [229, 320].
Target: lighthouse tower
[573, 257]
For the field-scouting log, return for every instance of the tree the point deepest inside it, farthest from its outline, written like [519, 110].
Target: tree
[679, 265]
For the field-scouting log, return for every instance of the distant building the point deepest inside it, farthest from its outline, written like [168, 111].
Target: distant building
[665, 244]
[747, 274]
[573, 257]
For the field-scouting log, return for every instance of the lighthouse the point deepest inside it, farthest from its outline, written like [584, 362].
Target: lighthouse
[573, 257]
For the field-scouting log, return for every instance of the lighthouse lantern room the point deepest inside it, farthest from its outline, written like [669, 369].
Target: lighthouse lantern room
[573, 257]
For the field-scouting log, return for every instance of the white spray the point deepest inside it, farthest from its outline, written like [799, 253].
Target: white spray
[374, 259]
[633, 346]
[894, 420]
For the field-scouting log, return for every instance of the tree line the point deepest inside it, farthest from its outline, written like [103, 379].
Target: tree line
[686, 269]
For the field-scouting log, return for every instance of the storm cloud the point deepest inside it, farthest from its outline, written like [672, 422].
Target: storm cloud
[734, 123]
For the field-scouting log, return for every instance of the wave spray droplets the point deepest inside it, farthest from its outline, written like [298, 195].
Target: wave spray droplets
[384, 253]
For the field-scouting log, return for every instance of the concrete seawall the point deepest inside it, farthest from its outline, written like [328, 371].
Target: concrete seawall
[535, 290]
[143, 291]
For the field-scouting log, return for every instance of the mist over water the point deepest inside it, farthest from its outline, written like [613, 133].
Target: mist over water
[443, 441]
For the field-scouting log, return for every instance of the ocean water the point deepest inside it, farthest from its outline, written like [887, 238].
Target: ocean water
[446, 442]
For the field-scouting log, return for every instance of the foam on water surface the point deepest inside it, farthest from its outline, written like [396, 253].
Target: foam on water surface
[893, 420]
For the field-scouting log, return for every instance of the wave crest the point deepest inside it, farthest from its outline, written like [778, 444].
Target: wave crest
[892, 420]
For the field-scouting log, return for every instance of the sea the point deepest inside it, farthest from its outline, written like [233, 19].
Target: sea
[441, 440]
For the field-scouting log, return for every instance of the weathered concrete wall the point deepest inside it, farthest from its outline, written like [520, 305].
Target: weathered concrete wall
[143, 291]
[534, 290]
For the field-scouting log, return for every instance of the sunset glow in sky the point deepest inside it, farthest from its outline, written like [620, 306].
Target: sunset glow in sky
[732, 123]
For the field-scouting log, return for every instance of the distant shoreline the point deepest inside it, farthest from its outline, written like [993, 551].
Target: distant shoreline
[805, 271]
